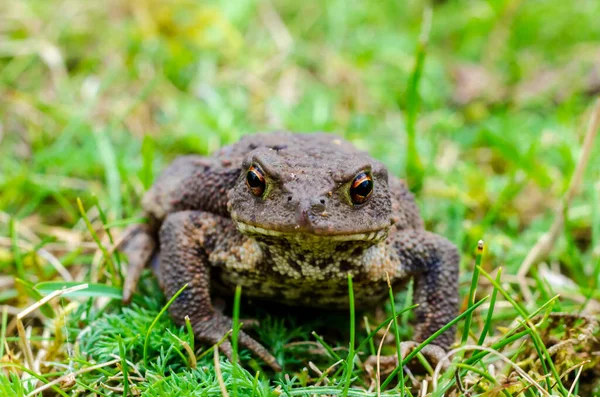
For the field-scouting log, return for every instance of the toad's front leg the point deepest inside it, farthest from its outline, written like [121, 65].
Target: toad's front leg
[186, 240]
[433, 263]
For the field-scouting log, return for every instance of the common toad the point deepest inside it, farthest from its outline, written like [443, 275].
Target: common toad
[288, 217]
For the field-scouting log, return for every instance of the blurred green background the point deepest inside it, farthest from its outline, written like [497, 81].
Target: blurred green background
[97, 97]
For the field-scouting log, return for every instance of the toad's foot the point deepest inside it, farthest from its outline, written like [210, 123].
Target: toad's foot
[187, 239]
[433, 353]
[139, 245]
[212, 329]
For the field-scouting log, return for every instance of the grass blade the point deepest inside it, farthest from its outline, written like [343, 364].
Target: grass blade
[148, 154]
[105, 253]
[535, 337]
[18, 259]
[124, 366]
[235, 335]
[190, 331]
[473, 290]
[368, 329]
[93, 291]
[34, 294]
[396, 335]
[3, 330]
[427, 341]
[415, 170]
[488, 320]
[111, 170]
[325, 345]
[162, 311]
[382, 325]
[350, 359]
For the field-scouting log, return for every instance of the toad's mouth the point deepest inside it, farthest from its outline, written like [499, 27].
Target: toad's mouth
[372, 236]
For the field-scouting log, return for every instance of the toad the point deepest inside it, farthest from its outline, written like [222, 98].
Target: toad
[288, 217]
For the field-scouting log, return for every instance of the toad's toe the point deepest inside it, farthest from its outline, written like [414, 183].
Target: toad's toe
[212, 329]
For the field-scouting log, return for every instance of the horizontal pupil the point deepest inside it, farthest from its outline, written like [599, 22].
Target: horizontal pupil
[364, 188]
[253, 179]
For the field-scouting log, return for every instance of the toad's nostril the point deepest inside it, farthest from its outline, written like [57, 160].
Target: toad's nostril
[318, 204]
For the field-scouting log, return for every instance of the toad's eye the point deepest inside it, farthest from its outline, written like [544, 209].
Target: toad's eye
[255, 180]
[361, 188]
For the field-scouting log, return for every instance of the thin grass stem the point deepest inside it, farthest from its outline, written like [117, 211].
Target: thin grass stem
[162, 311]
[427, 341]
[124, 365]
[368, 329]
[235, 335]
[396, 334]
[488, 320]
[473, 290]
[350, 359]
[535, 337]
[380, 326]
[105, 253]
[18, 259]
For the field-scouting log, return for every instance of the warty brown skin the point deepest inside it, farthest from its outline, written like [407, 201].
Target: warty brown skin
[295, 243]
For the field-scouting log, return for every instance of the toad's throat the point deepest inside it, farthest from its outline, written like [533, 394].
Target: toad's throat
[251, 230]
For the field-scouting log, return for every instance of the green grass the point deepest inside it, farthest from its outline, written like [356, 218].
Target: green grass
[96, 98]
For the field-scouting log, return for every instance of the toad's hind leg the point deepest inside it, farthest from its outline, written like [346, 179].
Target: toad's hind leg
[187, 239]
[139, 246]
